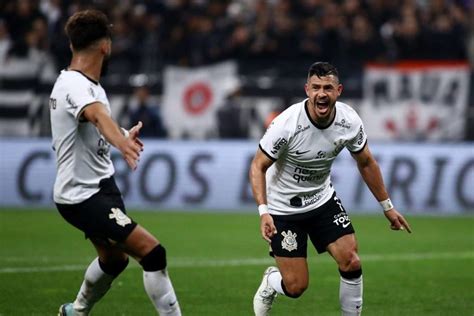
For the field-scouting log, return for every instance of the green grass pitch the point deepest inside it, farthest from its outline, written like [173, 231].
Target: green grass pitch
[216, 263]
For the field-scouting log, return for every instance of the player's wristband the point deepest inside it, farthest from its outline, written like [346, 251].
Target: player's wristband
[387, 205]
[124, 132]
[263, 209]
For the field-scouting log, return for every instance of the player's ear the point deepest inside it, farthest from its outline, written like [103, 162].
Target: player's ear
[339, 89]
[306, 87]
[106, 46]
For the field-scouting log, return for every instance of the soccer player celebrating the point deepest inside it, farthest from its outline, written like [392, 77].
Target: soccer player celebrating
[290, 178]
[85, 192]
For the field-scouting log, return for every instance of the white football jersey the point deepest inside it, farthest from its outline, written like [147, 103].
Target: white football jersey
[82, 153]
[299, 180]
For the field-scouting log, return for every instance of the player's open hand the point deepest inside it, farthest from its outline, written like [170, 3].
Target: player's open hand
[131, 153]
[130, 150]
[267, 227]
[397, 221]
[132, 146]
[134, 132]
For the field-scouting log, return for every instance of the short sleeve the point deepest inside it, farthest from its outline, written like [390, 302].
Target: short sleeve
[275, 140]
[357, 143]
[80, 94]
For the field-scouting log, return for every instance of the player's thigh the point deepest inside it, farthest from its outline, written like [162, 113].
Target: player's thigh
[294, 271]
[344, 251]
[289, 248]
[330, 223]
[139, 243]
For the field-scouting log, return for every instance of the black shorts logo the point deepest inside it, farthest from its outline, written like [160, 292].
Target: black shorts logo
[289, 241]
[342, 219]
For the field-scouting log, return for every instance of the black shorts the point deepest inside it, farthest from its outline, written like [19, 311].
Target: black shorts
[323, 225]
[102, 216]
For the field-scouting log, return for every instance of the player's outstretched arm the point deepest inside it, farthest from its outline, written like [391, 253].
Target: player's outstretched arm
[128, 146]
[370, 172]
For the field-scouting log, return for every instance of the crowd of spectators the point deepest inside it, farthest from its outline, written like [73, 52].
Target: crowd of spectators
[149, 34]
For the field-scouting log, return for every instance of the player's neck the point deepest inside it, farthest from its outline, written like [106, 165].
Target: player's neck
[87, 64]
[320, 122]
[325, 121]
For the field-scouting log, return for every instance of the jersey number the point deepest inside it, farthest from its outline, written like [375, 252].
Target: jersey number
[52, 103]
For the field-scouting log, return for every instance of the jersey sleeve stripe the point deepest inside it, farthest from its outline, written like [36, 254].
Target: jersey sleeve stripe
[360, 150]
[266, 154]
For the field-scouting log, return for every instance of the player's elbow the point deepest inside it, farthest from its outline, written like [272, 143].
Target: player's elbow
[367, 164]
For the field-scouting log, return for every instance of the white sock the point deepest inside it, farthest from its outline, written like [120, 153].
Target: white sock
[275, 279]
[96, 283]
[160, 291]
[350, 296]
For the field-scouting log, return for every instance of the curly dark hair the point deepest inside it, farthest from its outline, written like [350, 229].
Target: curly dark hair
[84, 28]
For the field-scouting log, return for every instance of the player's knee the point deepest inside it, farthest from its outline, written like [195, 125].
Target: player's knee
[115, 267]
[155, 260]
[294, 289]
[352, 263]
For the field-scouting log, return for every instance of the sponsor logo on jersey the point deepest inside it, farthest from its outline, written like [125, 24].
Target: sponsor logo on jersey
[343, 123]
[289, 241]
[296, 201]
[120, 217]
[311, 198]
[103, 149]
[302, 174]
[360, 136]
[300, 129]
[339, 146]
[342, 219]
[321, 155]
[70, 101]
[280, 142]
[301, 152]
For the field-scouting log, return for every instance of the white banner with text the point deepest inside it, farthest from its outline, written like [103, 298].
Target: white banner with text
[213, 175]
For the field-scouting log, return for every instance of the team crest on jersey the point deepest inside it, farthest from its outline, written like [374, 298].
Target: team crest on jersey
[289, 241]
[120, 217]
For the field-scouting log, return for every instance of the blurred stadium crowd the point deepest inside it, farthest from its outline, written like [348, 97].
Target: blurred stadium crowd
[150, 34]
[276, 37]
